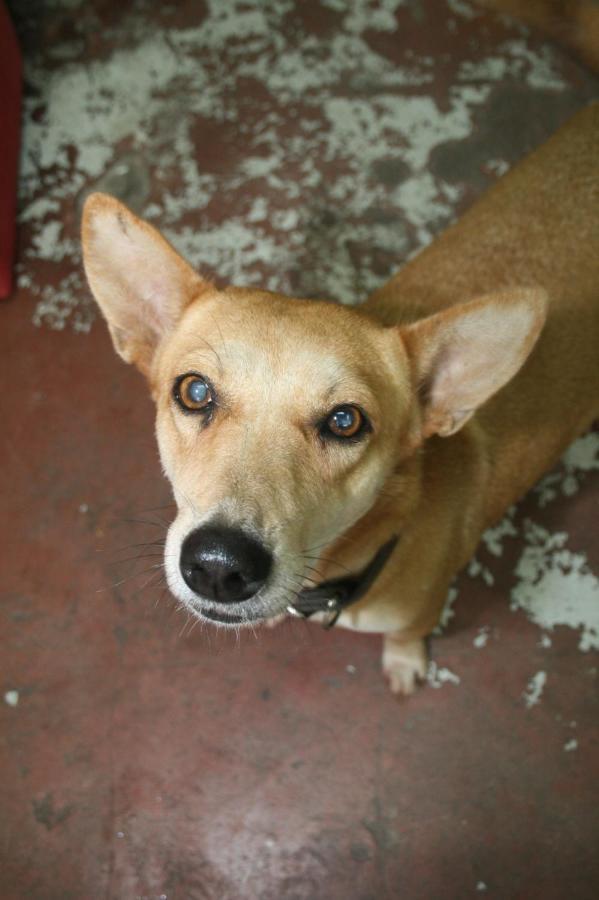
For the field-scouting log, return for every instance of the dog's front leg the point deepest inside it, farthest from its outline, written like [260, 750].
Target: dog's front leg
[404, 661]
[408, 611]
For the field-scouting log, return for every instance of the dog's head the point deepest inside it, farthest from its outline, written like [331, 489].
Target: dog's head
[281, 422]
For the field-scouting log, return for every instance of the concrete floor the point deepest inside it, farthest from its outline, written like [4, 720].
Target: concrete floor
[309, 149]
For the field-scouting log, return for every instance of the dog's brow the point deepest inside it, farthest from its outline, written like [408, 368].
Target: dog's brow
[190, 357]
[348, 389]
[332, 391]
[212, 350]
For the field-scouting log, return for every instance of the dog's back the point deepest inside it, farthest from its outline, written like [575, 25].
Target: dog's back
[538, 226]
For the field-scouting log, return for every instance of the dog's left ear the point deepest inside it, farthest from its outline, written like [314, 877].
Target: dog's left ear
[462, 356]
[139, 281]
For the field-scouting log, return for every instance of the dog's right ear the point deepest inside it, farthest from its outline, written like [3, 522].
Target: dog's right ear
[140, 283]
[463, 355]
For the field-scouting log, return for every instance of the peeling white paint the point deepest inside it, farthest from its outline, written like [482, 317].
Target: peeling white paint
[555, 585]
[437, 676]
[285, 219]
[11, 698]
[259, 210]
[363, 14]
[38, 209]
[463, 8]
[498, 167]
[537, 69]
[448, 612]
[477, 569]
[149, 96]
[482, 637]
[570, 745]
[581, 458]
[515, 60]
[46, 244]
[533, 693]
[493, 537]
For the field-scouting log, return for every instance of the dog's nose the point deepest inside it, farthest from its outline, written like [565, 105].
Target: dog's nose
[224, 564]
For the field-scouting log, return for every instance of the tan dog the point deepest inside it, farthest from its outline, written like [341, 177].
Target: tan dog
[301, 436]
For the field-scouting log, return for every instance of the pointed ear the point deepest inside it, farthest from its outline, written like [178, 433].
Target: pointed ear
[140, 283]
[460, 357]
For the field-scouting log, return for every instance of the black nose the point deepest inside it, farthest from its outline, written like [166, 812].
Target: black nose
[224, 564]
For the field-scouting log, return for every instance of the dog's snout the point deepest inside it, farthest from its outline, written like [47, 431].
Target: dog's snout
[224, 564]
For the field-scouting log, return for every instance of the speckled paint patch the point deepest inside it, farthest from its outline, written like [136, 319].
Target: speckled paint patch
[437, 676]
[580, 458]
[535, 688]
[554, 585]
[331, 104]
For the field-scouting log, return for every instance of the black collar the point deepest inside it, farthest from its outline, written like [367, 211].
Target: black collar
[337, 594]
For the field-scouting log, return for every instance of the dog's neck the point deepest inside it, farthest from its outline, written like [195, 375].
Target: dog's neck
[337, 594]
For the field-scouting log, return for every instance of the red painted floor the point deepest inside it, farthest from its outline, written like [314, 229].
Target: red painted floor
[142, 756]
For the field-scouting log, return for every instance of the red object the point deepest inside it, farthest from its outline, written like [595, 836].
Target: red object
[10, 116]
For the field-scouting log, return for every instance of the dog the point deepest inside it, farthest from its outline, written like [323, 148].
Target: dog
[343, 462]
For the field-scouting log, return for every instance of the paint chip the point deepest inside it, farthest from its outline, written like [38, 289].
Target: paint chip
[447, 613]
[493, 537]
[571, 745]
[476, 568]
[580, 458]
[11, 698]
[482, 637]
[556, 586]
[437, 676]
[533, 693]
[153, 90]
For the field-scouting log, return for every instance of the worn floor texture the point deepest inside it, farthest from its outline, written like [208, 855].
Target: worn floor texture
[309, 147]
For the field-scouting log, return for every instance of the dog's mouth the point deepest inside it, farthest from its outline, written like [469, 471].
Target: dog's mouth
[225, 618]
[228, 619]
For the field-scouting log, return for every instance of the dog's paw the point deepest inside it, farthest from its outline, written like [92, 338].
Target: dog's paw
[404, 664]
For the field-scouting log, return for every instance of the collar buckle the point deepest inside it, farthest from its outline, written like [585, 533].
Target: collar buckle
[334, 596]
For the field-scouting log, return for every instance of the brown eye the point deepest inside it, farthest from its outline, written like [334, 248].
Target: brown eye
[193, 393]
[346, 422]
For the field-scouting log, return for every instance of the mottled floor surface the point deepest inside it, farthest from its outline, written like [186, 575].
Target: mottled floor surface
[310, 149]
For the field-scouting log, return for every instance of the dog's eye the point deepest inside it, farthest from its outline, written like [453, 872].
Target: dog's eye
[193, 393]
[346, 422]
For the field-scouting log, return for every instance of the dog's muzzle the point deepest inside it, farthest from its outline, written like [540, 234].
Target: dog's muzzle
[224, 565]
